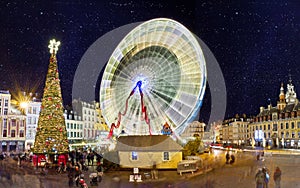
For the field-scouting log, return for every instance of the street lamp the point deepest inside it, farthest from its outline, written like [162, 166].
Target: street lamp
[24, 104]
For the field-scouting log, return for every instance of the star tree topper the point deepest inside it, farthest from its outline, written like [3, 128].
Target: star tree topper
[53, 46]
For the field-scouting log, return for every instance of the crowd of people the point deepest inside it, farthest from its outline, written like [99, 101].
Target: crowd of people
[78, 164]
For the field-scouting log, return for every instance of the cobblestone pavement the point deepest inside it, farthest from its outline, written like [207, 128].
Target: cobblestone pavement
[240, 174]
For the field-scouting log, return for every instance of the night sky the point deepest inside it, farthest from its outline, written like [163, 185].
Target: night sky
[256, 43]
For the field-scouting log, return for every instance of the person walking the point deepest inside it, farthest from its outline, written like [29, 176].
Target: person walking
[70, 177]
[260, 179]
[227, 157]
[100, 172]
[277, 177]
[232, 159]
[267, 176]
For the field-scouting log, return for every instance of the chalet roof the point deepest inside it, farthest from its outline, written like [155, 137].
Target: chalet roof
[147, 143]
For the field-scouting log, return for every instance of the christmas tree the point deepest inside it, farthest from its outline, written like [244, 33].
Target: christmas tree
[51, 136]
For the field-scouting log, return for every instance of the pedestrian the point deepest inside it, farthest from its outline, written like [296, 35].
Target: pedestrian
[154, 172]
[260, 179]
[77, 175]
[89, 159]
[227, 157]
[232, 159]
[258, 157]
[70, 177]
[100, 172]
[92, 158]
[277, 177]
[267, 176]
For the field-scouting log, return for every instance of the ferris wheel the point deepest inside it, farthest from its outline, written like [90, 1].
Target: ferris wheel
[155, 76]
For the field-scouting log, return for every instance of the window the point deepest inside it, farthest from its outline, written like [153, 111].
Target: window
[281, 125]
[71, 134]
[264, 127]
[287, 125]
[21, 133]
[274, 127]
[21, 123]
[71, 125]
[134, 156]
[293, 134]
[287, 134]
[5, 111]
[298, 124]
[4, 123]
[5, 133]
[13, 133]
[34, 110]
[6, 102]
[67, 125]
[298, 134]
[166, 156]
[269, 126]
[293, 125]
[13, 122]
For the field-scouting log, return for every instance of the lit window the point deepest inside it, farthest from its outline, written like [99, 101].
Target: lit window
[134, 155]
[13, 122]
[13, 133]
[6, 102]
[4, 123]
[166, 156]
[4, 133]
[21, 133]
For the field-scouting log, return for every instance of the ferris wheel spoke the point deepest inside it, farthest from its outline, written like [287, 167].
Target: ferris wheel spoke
[167, 61]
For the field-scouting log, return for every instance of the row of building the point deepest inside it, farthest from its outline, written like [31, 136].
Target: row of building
[84, 122]
[274, 126]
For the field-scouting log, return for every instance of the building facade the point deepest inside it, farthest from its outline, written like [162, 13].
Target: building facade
[234, 132]
[88, 113]
[74, 125]
[13, 125]
[278, 126]
[195, 128]
[32, 111]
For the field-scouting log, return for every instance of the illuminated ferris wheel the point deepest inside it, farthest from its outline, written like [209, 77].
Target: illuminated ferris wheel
[156, 75]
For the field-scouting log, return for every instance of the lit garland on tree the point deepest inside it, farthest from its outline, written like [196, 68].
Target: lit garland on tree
[51, 136]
